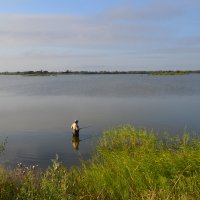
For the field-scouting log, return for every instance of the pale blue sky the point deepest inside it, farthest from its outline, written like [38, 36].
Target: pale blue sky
[99, 35]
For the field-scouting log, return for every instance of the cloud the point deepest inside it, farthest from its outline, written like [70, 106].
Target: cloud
[124, 34]
[153, 11]
[124, 26]
[76, 31]
[34, 29]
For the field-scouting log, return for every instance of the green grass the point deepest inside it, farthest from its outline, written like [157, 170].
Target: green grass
[176, 73]
[2, 145]
[128, 163]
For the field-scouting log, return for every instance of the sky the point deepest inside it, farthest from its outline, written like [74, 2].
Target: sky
[59, 35]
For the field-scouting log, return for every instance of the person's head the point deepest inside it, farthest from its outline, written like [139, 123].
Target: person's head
[76, 121]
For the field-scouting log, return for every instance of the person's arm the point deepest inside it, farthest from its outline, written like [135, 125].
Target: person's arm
[77, 128]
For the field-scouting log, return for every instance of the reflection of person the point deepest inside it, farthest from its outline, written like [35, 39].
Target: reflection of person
[75, 128]
[75, 142]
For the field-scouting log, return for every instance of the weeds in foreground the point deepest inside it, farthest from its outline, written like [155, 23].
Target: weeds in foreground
[129, 163]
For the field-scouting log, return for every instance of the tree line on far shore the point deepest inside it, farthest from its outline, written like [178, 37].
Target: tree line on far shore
[68, 72]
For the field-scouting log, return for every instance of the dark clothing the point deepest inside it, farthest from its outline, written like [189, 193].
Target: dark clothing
[75, 133]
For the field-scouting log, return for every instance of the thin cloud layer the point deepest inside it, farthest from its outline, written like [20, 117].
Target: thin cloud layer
[138, 37]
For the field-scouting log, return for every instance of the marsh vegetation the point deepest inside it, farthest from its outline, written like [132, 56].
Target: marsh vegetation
[128, 163]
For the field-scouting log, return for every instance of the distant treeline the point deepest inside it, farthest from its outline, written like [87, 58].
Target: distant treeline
[68, 72]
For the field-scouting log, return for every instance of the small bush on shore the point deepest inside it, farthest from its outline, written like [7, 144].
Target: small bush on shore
[128, 163]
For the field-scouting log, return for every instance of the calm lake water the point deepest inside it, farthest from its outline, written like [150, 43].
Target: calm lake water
[36, 112]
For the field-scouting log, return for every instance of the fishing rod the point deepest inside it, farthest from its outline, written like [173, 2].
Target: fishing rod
[93, 136]
[84, 127]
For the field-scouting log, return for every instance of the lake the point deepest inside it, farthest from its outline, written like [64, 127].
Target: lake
[36, 112]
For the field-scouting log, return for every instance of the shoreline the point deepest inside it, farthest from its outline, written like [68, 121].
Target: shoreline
[68, 72]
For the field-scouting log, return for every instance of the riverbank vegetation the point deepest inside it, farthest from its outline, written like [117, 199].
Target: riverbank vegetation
[68, 72]
[2, 145]
[128, 163]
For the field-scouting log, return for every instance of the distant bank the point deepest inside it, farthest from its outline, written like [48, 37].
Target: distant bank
[68, 72]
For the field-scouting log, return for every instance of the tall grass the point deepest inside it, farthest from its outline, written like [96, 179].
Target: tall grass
[2, 145]
[128, 163]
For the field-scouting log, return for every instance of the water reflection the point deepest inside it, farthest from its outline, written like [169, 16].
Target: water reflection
[75, 142]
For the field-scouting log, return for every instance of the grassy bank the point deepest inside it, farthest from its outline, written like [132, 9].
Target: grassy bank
[128, 164]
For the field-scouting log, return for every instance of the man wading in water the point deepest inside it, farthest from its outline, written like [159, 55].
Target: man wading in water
[75, 128]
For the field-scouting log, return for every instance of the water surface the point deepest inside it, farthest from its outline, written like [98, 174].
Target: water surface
[36, 112]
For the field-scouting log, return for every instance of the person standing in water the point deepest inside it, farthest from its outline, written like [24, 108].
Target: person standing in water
[75, 128]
